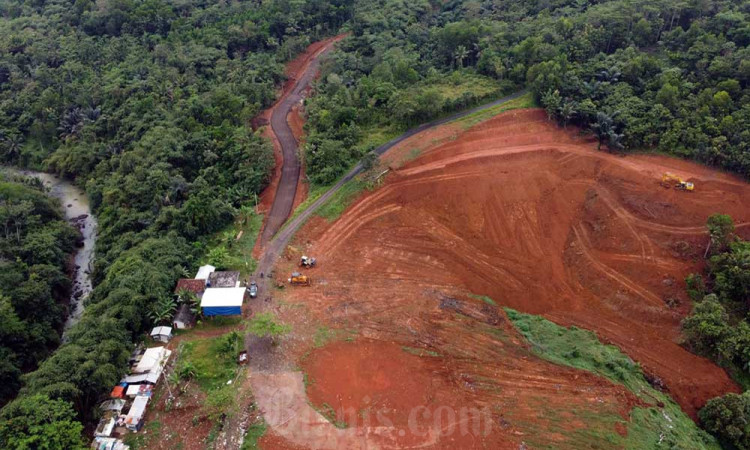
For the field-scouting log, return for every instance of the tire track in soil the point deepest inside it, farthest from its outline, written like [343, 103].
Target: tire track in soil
[272, 243]
[622, 299]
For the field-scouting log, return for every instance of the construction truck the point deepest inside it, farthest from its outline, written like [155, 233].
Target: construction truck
[297, 279]
[308, 262]
[669, 180]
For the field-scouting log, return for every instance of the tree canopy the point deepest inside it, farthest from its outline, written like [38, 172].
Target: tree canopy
[38, 422]
[147, 105]
[35, 243]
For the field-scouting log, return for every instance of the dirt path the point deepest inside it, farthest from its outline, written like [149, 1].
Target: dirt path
[286, 188]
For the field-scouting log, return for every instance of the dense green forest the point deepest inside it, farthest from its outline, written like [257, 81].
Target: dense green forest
[671, 76]
[35, 247]
[146, 104]
[718, 326]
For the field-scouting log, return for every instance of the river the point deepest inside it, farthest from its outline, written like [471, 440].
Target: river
[77, 211]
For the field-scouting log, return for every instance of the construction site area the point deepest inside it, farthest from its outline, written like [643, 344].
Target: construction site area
[408, 303]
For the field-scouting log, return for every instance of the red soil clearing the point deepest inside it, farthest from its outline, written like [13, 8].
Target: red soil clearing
[536, 218]
[436, 402]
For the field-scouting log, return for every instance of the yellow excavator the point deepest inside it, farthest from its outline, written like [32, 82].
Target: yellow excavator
[669, 180]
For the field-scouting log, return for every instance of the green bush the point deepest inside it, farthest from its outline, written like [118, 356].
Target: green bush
[728, 418]
[37, 421]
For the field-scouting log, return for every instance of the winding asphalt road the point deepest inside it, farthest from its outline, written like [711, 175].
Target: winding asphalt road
[280, 241]
[287, 189]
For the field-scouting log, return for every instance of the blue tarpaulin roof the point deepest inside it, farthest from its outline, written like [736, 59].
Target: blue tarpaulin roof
[222, 311]
[222, 301]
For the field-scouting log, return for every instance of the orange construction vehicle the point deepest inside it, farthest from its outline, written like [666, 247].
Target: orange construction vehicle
[297, 279]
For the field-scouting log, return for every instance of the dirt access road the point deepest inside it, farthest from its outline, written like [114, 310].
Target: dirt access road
[276, 246]
[282, 134]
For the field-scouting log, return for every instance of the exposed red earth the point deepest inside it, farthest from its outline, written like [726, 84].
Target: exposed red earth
[534, 217]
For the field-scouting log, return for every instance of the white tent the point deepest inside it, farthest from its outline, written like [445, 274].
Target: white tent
[223, 301]
[147, 378]
[204, 272]
[153, 360]
[136, 413]
[162, 334]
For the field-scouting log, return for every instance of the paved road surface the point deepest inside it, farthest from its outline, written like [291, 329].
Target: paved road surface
[280, 241]
[290, 171]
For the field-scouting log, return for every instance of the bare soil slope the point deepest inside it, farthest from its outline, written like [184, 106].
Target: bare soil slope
[534, 217]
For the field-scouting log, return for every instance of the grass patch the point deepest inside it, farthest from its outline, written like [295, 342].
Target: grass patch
[460, 84]
[341, 200]
[253, 435]
[413, 154]
[651, 427]
[484, 298]
[375, 135]
[214, 322]
[142, 439]
[306, 380]
[420, 352]
[227, 251]
[524, 101]
[212, 361]
[316, 190]
[213, 434]
[322, 336]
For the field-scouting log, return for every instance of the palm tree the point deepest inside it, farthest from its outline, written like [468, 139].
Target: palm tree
[605, 131]
[602, 128]
[92, 113]
[184, 272]
[460, 55]
[186, 296]
[228, 238]
[246, 212]
[552, 102]
[611, 75]
[591, 89]
[614, 140]
[566, 112]
[71, 123]
[12, 144]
